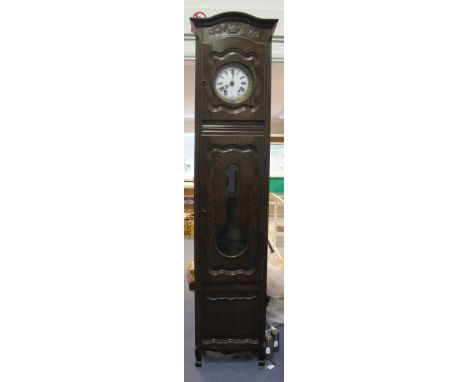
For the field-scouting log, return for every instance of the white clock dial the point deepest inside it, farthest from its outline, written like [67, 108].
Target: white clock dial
[233, 83]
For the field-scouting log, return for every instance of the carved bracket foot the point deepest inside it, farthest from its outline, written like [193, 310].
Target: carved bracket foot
[198, 358]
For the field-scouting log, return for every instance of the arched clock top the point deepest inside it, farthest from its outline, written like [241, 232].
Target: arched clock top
[233, 17]
[234, 24]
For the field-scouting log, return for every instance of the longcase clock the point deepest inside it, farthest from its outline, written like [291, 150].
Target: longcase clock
[232, 145]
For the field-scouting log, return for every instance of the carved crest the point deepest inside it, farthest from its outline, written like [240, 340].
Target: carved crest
[234, 29]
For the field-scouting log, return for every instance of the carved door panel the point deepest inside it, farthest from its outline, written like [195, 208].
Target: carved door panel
[249, 54]
[231, 317]
[232, 197]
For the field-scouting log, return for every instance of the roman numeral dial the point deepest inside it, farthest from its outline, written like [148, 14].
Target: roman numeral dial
[233, 83]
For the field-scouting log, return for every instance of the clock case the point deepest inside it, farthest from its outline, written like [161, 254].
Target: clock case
[232, 145]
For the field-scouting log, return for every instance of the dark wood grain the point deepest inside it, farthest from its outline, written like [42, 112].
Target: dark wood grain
[232, 142]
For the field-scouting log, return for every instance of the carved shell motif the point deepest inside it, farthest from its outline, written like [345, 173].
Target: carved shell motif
[234, 29]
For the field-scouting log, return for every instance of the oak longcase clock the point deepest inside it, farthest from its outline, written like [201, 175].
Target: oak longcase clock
[232, 145]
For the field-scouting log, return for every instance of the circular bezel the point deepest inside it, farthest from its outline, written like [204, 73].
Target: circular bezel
[247, 94]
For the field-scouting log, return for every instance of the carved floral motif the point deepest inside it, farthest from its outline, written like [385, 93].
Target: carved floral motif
[234, 29]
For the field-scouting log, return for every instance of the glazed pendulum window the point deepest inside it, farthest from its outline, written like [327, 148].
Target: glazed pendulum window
[231, 239]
